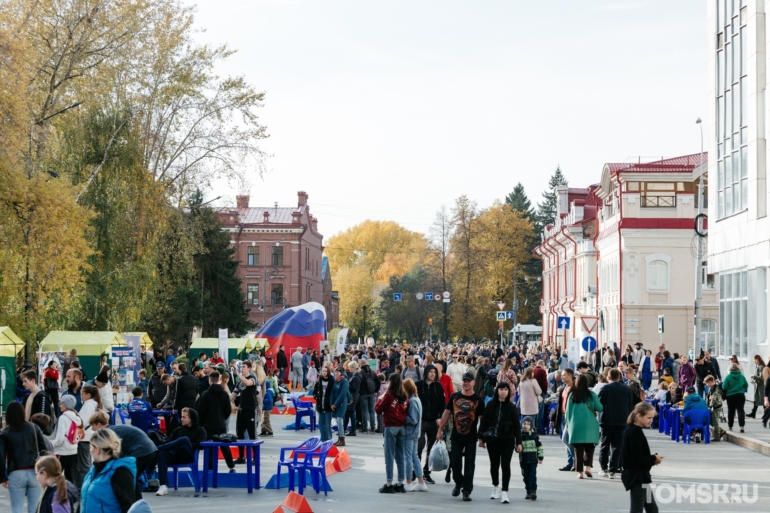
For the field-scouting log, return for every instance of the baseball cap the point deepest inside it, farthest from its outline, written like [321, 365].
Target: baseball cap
[160, 365]
[468, 377]
[690, 390]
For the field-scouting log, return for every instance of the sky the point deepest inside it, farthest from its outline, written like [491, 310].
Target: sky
[389, 110]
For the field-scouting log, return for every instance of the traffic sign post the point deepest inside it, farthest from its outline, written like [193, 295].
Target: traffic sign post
[509, 315]
[429, 296]
[397, 296]
[500, 316]
[563, 323]
[589, 323]
[661, 328]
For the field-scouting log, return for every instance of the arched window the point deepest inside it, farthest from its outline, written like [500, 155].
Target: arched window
[658, 272]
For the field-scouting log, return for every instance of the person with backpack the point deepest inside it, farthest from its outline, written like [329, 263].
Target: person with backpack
[393, 406]
[431, 395]
[340, 398]
[92, 403]
[369, 386]
[69, 432]
[20, 444]
[59, 495]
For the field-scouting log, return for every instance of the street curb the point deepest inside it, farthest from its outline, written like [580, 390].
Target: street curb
[749, 443]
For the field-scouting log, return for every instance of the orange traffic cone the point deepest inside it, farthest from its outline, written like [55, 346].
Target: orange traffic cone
[332, 452]
[297, 503]
[330, 468]
[279, 509]
[342, 461]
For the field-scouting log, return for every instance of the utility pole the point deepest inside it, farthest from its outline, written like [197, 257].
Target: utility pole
[515, 298]
[699, 256]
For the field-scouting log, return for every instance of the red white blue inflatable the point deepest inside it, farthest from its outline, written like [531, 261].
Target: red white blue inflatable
[300, 326]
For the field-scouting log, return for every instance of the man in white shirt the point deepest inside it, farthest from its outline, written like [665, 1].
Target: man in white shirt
[456, 369]
[638, 354]
[102, 382]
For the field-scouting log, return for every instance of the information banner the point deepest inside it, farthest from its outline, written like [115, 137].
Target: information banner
[573, 352]
[124, 368]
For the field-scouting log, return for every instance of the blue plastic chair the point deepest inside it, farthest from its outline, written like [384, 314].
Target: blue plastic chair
[193, 466]
[284, 461]
[304, 409]
[118, 413]
[697, 419]
[317, 469]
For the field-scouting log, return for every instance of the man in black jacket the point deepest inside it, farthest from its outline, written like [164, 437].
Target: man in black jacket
[37, 401]
[431, 395]
[282, 362]
[369, 385]
[702, 369]
[186, 390]
[617, 399]
[214, 409]
[156, 390]
[354, 386]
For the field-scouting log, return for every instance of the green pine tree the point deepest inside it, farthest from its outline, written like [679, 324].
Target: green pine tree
[518, 200]
[546, 210]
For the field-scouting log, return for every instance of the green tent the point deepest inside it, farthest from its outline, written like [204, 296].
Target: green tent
[10, 345]
[90, 345]
[237, 348]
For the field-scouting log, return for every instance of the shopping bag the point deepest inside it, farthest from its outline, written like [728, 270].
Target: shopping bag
[439, 457]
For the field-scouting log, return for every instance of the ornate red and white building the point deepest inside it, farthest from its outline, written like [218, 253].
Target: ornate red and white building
[280, 251]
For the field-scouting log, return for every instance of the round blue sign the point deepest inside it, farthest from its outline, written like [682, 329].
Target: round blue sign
[589, 344]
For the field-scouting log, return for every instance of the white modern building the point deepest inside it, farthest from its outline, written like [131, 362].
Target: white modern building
[736, 133]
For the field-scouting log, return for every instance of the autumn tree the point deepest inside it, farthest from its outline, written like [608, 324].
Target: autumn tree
[465, 278]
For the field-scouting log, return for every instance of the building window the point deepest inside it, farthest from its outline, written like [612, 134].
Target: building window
[658, 266]
[276, 293]
[731, 109]
[733, 307]
[277, 255]
[253, 255]
[708, 331]
[252, 294]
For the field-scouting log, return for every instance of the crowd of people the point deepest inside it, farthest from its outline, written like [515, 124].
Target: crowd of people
[60, 442]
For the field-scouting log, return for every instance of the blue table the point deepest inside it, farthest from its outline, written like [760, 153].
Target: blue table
[674, 415]
[158, 413]
[211, 449]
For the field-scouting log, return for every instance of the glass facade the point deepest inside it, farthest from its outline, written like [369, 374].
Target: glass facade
[731, 107]
[733, 309]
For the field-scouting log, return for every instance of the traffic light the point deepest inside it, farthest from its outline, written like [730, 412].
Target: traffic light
[430, 321]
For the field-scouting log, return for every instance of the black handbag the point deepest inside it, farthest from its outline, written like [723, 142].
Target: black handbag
[491, 432]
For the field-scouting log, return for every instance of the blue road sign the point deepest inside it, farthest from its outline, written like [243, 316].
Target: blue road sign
[397, 296]
[429, 296]
[589, 344]
[509, 314]
[563, 323]
[500, 316]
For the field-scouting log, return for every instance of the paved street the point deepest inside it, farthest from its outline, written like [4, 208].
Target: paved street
[356, 489]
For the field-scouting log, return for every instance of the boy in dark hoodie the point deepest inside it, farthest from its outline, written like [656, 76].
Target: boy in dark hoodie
[180, 447]
[530, 457]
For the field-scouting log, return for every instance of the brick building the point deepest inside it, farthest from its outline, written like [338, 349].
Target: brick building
[281, 258]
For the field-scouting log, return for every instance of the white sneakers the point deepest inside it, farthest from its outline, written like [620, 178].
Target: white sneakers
[496, 493]
[602, 473]
[504, 498]
[420, 487]
[163, 490]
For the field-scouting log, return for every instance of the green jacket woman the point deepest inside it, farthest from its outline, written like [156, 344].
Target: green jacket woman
[581, 420]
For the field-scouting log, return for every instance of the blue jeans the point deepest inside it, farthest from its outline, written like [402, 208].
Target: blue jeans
[529, 472]
[350, 415]
[367, 412]
[23, 483]
[565, 439]
[340, 416]
[325, 425]
[412, 460]
[394, 450]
